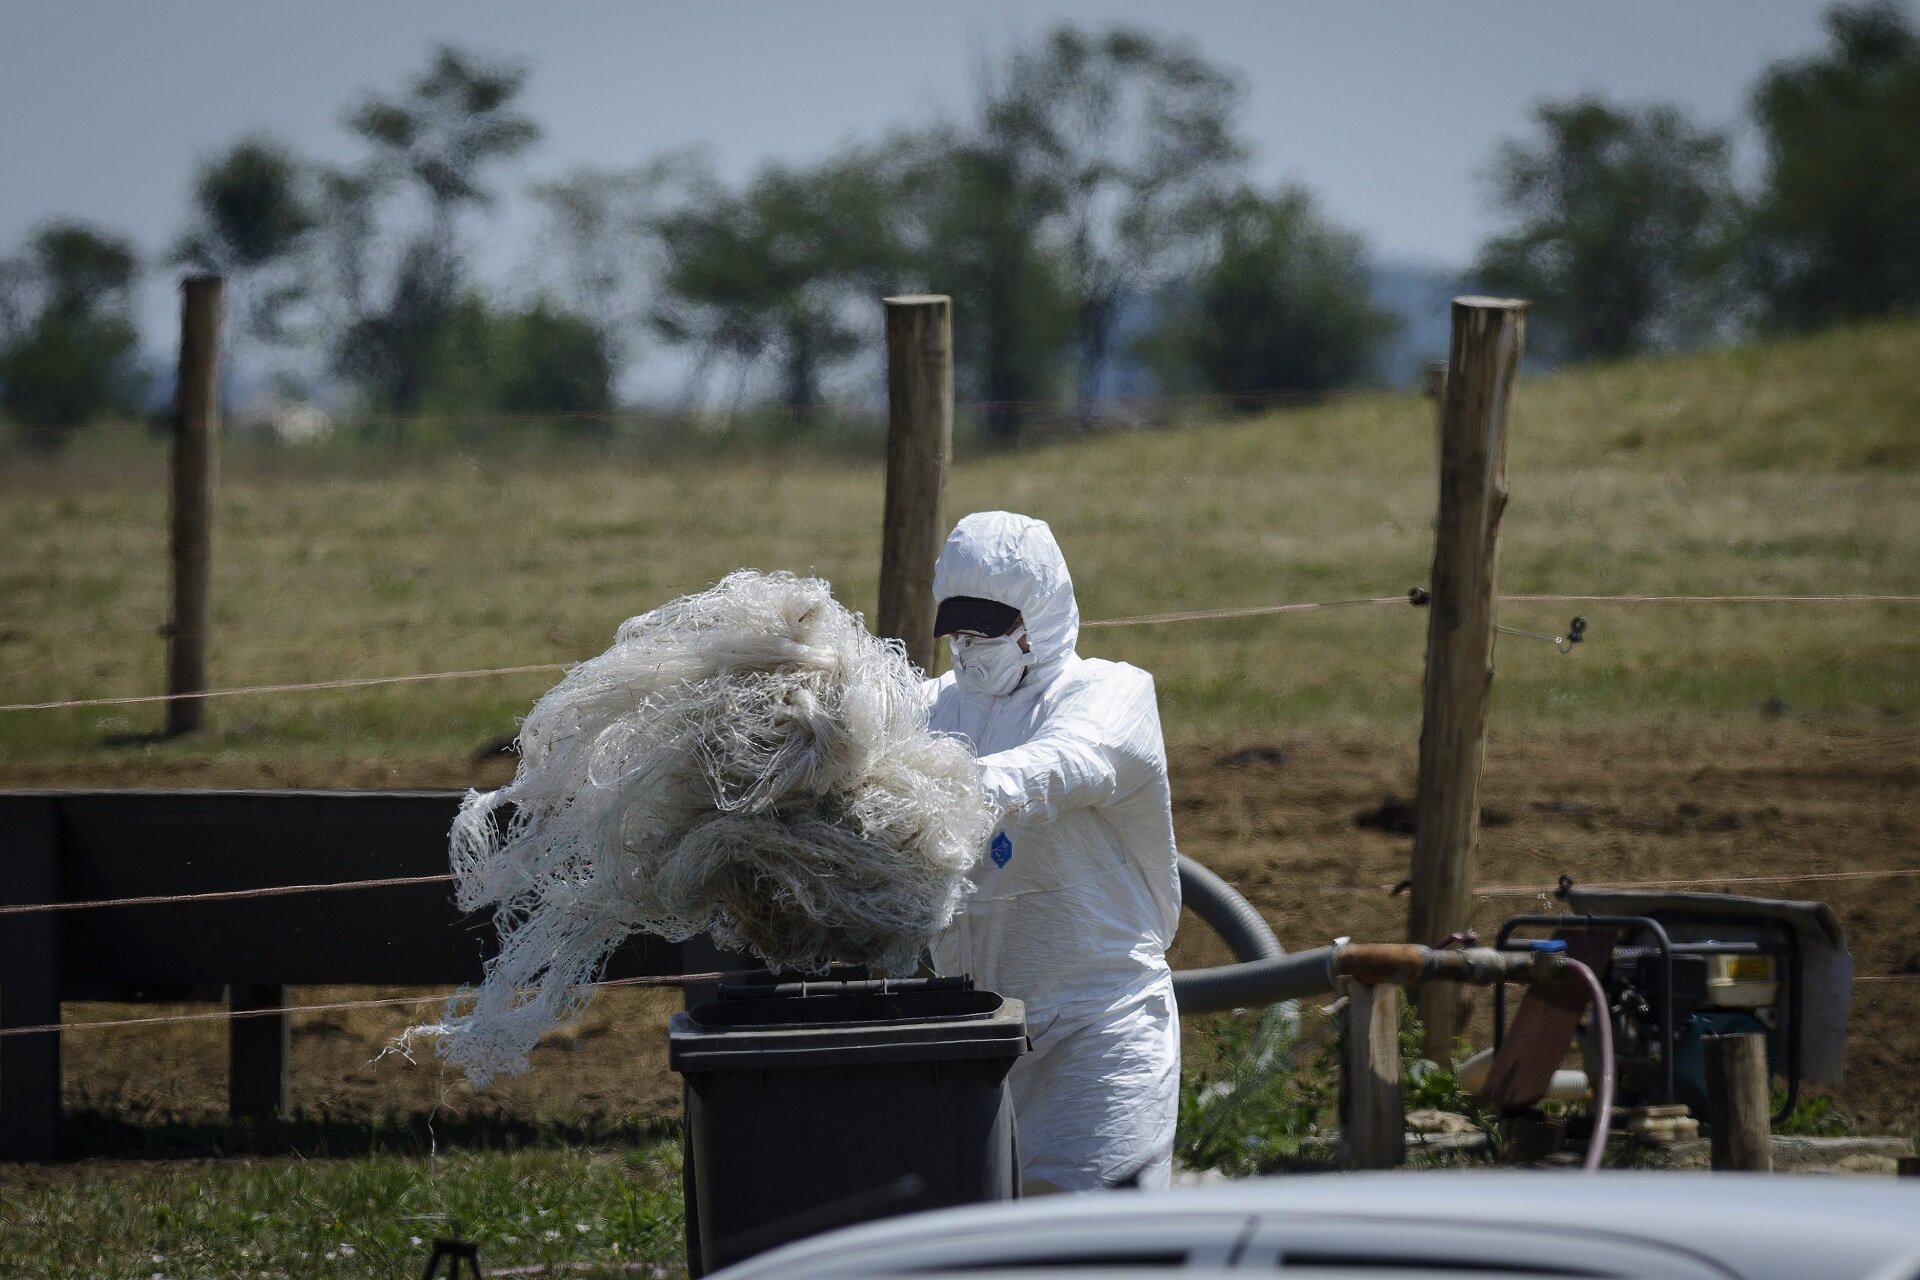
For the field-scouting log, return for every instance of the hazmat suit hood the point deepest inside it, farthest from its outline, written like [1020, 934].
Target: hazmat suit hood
[998, 555]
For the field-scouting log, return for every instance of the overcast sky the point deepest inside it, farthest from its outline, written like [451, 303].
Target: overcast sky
[1388, 109]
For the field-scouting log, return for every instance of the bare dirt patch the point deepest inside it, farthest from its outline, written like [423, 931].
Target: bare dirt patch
[1304, 840]
[1293, 820]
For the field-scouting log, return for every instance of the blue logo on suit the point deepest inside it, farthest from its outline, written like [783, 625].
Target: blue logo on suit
[1001, 850]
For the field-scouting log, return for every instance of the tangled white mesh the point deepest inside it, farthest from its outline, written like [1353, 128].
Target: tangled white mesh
[748, 762]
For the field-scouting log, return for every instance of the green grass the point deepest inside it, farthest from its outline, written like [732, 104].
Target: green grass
[371, 1216]
[1814, 1115]
[1789, 468]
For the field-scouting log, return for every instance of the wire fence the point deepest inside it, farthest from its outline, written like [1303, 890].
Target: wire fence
[337, 1006]
[1800, 877]
[222, 895]
[1486, 891]
[1138, 620]
[391, 1002]
[684, 979]
[1167, 618]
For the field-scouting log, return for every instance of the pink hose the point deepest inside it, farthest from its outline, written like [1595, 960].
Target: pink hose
[1603, 1092]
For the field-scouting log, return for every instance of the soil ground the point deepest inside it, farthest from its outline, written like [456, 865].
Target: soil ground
[1282, 818]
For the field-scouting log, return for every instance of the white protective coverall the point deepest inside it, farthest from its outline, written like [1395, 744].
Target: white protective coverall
[1078, 895]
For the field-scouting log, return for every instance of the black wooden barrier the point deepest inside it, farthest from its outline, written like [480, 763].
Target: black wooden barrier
[85, 846]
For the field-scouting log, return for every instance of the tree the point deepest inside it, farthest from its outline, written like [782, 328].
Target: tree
[1622, 218]
[1080, 181]
[776, 270]
[976, 218]
[1837, 229]
[1132, 138]
[67, 337]
[252, 219]
[554, 361]
[455, 122]
[456, 119]
[1282, 304]
[348, 204]
[536, 360]
[603, 242]
[392, 352]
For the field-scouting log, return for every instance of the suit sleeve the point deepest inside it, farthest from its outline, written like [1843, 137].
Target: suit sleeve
[1099, 747]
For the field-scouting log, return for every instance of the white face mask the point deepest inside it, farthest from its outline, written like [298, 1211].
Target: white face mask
[991, 666]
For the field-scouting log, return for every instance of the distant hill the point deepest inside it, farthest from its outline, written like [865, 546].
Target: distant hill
[1420, 296]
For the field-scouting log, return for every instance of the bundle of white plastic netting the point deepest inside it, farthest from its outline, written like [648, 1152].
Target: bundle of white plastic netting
[748, 762]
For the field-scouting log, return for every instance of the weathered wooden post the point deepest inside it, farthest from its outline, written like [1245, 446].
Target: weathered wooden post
[1488, 334]
[1374, 1125]
[195, 430]
[1738, 1105]
[919, 447]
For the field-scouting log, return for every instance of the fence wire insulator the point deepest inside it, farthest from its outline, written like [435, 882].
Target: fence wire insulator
[1576, 633]
[1420, 598]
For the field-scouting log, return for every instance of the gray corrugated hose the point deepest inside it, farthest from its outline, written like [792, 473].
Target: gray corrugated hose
[1263, 974]
[1240, 926]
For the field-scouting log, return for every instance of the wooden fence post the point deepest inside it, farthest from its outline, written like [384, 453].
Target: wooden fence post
[1488, 334]
[919, 447]
[1374, 1123]
[195, 430]
[1738, 1106]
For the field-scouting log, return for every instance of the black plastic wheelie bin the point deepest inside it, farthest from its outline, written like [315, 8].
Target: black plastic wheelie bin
[815, 1105]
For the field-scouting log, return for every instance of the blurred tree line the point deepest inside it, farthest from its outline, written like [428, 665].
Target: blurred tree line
[1628, 232]
[1096, 176]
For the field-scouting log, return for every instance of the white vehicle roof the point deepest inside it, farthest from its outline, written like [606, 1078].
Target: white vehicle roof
[1643, 1224]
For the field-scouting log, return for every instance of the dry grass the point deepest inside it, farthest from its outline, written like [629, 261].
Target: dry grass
[1792, 468]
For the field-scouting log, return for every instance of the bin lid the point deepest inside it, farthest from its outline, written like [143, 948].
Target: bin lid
[831, 1028]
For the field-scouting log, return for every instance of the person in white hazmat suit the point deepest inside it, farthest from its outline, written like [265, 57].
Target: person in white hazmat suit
[1078, 894]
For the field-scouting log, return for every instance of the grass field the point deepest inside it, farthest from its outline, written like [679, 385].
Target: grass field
[546, 1211]
[1780, 469]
